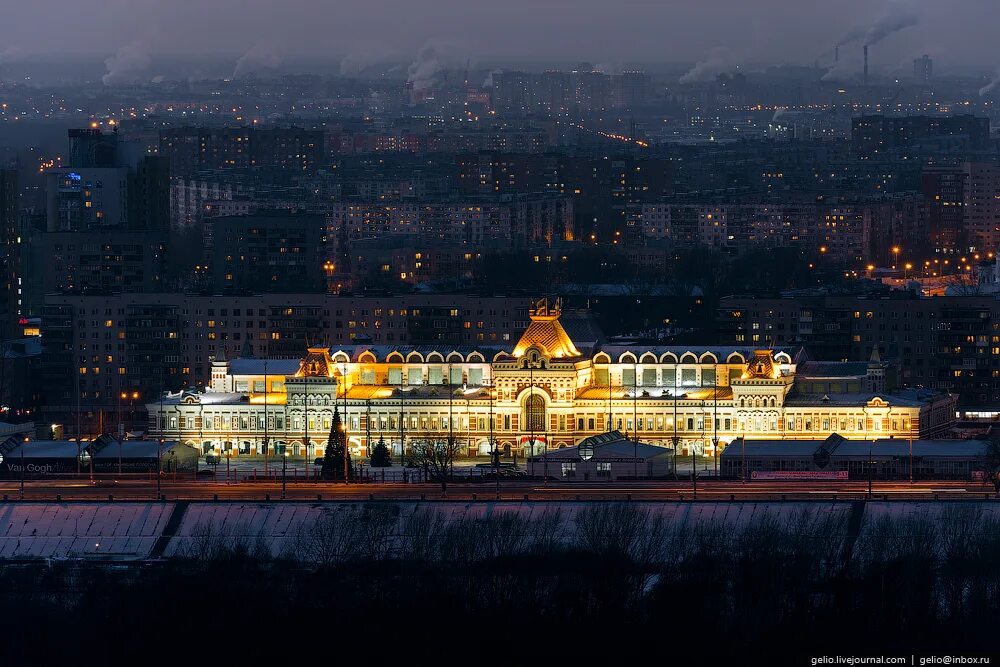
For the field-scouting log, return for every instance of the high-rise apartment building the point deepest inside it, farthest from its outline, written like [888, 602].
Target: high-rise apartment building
[107, 218]
[950, 342]
[10, 289]
[923, 69]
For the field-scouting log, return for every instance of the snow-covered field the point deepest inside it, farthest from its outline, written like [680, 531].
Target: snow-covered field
[137, 531]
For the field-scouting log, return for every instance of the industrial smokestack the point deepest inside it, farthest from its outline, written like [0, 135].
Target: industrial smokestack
[866, 64]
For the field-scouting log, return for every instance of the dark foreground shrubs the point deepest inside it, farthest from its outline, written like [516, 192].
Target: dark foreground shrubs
[614, 581]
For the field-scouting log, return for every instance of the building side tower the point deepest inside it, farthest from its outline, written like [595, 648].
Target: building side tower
[875, 379]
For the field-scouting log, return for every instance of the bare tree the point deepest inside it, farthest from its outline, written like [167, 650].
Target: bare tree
[437, 458]
[621, 530]
[345, 534]
[991, 463]
[421, 534]
[231, 542]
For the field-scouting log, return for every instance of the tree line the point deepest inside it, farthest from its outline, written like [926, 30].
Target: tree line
[615, 579]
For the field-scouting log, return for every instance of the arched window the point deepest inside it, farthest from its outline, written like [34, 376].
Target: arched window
[534, 409]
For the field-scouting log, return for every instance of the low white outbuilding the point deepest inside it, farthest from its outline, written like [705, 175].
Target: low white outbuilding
[608, 456]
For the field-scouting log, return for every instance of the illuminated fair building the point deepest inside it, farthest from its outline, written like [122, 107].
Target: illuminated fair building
[544, 392]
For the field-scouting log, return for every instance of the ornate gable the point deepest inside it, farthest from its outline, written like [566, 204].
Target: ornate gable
[760, 367]
[546, 333]
[316, 363]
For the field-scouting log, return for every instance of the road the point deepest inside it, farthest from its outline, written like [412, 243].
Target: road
[144, 489]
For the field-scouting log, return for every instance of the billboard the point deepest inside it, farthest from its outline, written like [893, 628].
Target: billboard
[819, 475]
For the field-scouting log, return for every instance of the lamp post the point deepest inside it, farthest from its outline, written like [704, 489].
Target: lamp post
[675, 439]
[494, 451]
[121, 430]
[635, 421]
[159, 464]
[305, 424]
[451, 426]
[343, 379]
[743, 456]
[715, 421]
[704, 463]
[78, 423]
[402, 446]
[131, 408]
[609, 397]
[911, 456]
[694, 473]
[284, 467]
[23, 445]
[368, 426]
[266, 445]
[531, 407]
[870, 470]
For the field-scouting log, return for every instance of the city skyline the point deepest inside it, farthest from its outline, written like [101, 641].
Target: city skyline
[719, 33]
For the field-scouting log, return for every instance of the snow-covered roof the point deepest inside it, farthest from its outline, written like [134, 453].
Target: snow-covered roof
[895, 447]
[611, 445]
[255, 366]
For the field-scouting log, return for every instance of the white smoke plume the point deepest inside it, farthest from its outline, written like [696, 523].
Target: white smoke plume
[898, 16]
[851, 37]
[10, 54]
[844, 69]
[364, 57]
[488, 83]
[991, 86]
[261, 56]
[351, 65]
[424, 72]
[128, 65]
[719, 60]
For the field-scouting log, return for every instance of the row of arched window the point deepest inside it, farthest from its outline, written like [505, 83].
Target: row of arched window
[758, 402]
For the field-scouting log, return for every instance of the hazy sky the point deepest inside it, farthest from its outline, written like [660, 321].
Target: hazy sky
[612, 32]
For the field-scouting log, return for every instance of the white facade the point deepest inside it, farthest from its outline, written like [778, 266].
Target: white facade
[542, 391]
